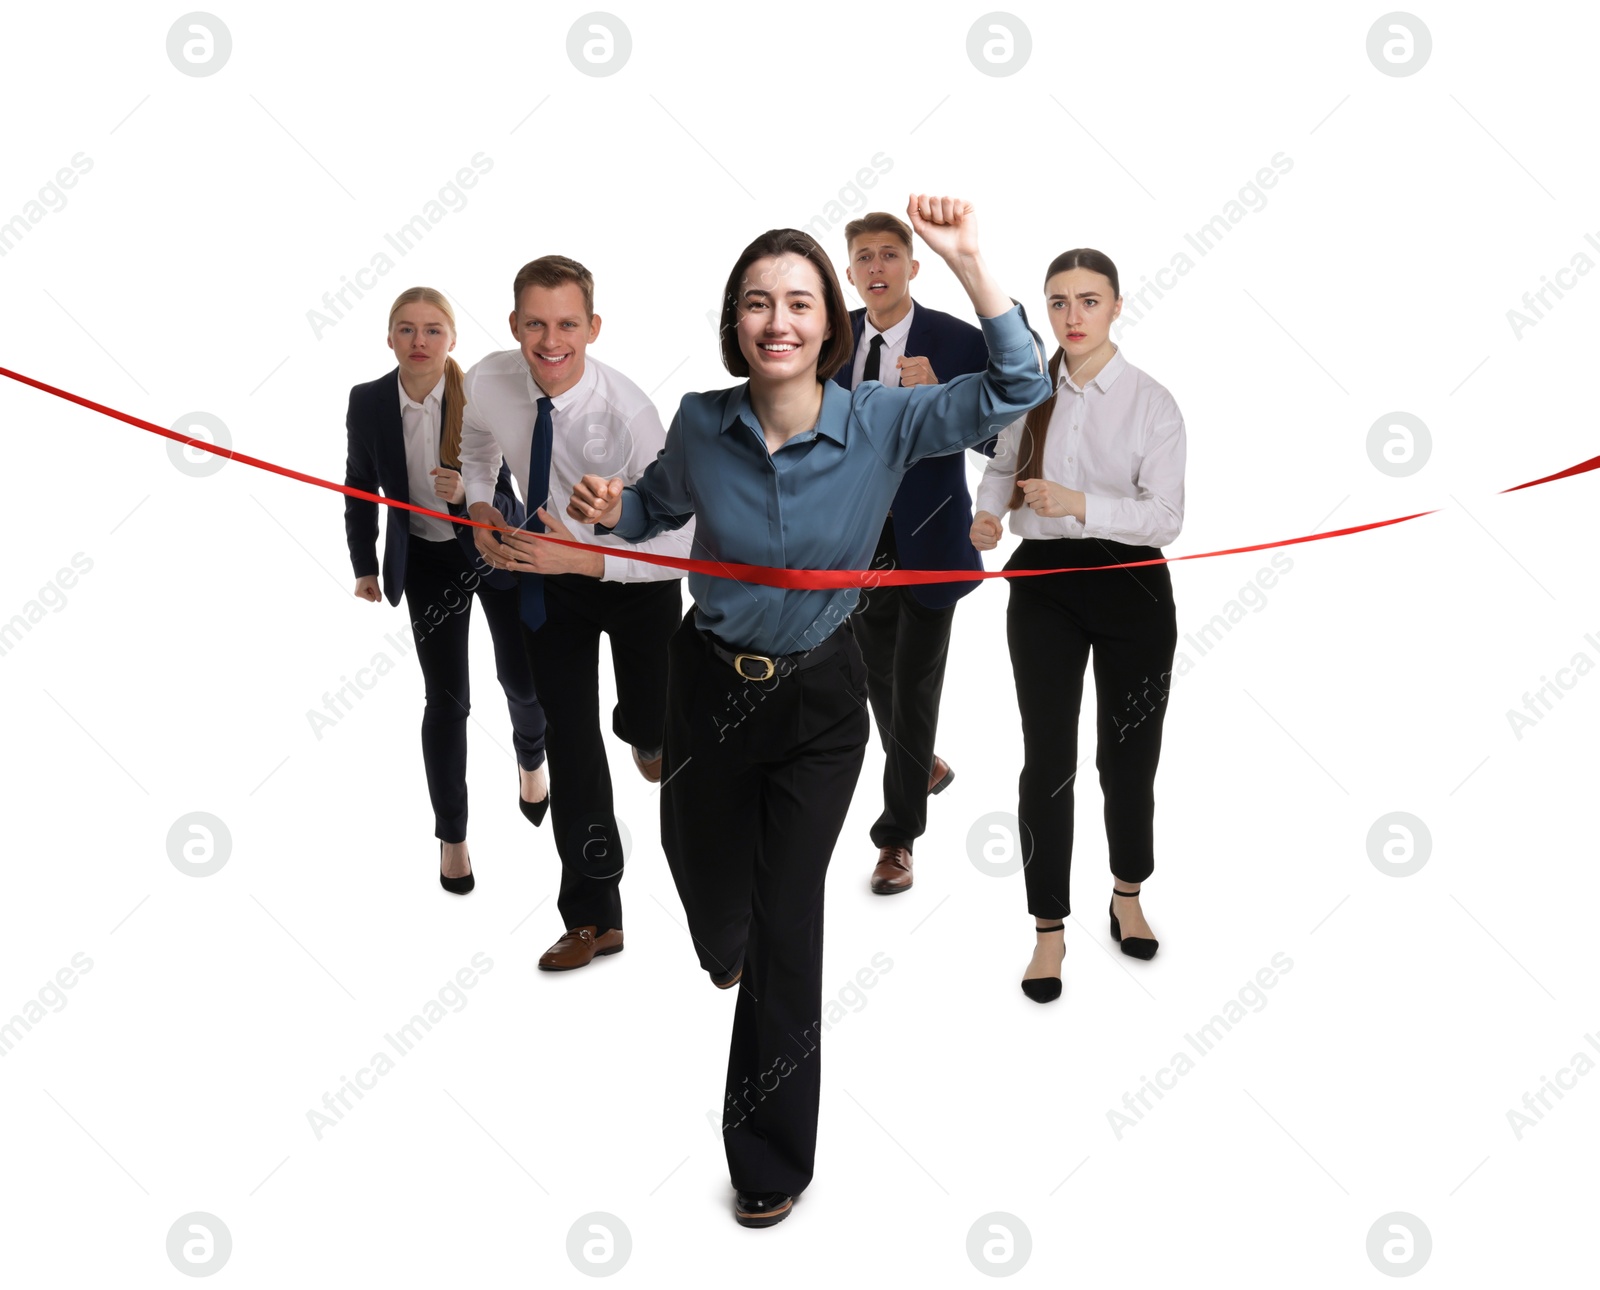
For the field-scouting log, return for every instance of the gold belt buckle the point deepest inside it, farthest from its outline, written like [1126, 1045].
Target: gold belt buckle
[738, 666]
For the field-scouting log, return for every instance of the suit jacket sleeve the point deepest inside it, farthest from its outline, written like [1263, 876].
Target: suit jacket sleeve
[506, 500]
[360, 516]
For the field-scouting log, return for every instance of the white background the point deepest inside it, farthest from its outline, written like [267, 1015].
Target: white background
[177, 674]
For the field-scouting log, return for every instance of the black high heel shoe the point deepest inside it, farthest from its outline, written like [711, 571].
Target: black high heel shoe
[1140, 947]
[1042, 989]
[459, 886]
[533, 810]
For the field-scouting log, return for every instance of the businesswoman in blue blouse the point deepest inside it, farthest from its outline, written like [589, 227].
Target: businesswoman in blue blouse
[767, 704]
[404, 440]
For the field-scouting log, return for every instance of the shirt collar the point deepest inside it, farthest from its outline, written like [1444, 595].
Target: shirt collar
[832, 421]
[895, 334]
[1103, 380]
[436, 394]
[561, 402]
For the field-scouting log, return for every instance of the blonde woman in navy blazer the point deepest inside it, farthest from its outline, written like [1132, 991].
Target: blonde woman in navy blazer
[404, 441]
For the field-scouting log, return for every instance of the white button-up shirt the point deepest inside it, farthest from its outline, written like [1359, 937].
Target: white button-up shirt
[894, 346]
[420, 423]
[604, 425]
[1120, 441]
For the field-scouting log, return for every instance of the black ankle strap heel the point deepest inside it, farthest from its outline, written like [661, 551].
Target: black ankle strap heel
[1042, 989]
[1139, 947]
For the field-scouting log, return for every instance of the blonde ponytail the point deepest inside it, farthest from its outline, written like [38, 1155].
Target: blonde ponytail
[454, 404]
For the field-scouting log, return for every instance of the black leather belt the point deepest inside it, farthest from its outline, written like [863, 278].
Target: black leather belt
[769, 666]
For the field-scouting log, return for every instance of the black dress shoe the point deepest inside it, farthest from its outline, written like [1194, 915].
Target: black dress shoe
[762, 1208]
[1042, 989]
[460, 886]
[1140, 947]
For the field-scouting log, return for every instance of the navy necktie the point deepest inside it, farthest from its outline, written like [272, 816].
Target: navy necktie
[538, 494]
[870, 371]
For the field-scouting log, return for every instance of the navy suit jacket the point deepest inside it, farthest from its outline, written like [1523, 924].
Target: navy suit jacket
[375, 462]
[932, 511]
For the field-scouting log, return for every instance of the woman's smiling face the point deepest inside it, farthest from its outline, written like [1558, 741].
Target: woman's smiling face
[783, 317]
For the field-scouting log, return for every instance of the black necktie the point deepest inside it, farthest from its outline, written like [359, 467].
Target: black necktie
[870, 371]
[538, 490]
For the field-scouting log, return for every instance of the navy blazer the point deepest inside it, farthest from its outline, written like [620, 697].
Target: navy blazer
[375, 462]
[932, 511]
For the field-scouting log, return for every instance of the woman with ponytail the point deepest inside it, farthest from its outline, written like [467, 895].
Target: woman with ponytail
[1091, 477]
[404, 441]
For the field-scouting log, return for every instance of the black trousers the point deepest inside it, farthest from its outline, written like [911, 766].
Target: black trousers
[905, 645]
[1127, 618]
[439, 587]
[639, 618]
[757, 777]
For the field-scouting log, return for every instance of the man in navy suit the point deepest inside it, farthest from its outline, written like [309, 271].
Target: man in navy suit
[904, 632]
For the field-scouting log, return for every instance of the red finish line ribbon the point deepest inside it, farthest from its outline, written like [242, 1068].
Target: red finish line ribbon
[760, 575]
[1592, 464]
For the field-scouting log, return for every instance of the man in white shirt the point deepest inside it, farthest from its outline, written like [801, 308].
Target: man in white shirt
[546, 401]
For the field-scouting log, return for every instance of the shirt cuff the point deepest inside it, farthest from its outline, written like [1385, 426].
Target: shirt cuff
[478, 492]
[1097, 515]
[632, 520]
[1006, 331]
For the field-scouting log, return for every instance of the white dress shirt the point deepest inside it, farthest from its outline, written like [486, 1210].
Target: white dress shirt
[894, 346]
[604, 425]
[1120, 441]
[420, 423]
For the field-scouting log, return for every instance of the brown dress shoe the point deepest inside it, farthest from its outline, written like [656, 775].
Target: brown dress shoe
[651, 769]
[940, 776]
[577, 946]
[893, 873]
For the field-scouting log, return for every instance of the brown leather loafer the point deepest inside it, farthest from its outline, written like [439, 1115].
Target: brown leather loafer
[893, 873]
[577, 946]
[940, 776]
[651, 769]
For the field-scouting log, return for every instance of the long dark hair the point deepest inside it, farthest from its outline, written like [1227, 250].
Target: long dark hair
[1031, 450]
[839, 346]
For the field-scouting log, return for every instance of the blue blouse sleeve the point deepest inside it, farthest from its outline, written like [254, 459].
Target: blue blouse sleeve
[907, 424]
[660, 498]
